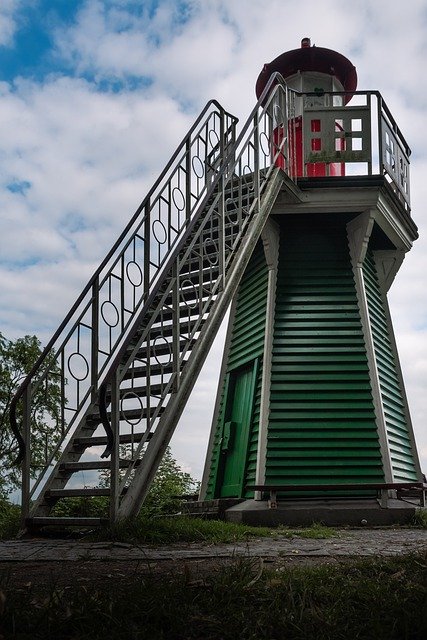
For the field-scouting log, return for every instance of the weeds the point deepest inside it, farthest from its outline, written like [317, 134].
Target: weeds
[420, 518]
[381, 599]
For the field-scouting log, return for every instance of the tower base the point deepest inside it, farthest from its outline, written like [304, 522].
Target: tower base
[330, 512]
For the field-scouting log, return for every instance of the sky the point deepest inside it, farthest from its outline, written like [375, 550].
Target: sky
[94, 98]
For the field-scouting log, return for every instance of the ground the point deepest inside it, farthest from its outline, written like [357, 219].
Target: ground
[43, 562]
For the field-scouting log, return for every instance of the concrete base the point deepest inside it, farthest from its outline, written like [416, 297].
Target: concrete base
[331, 512]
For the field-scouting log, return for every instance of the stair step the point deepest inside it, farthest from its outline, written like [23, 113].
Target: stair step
[84, 492]
[45, 521]
[140, 391]
[141, 371]
[129, 415]
[92, 465]
[102, 441]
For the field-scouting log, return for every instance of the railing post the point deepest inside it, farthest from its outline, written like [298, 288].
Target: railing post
[380, 135]
[147, 248]
[176, 352]
[221, 231]
[256, 160]
[26, 462]
[115, 452]
[95, 339]
[188, 180]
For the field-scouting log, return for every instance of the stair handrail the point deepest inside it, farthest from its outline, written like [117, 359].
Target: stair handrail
[227, 167]
[49, 349]
[227, 158]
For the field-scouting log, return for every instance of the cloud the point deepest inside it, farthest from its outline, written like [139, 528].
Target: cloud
[8, 25]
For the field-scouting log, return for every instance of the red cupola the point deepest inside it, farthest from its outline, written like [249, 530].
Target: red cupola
[303, 69]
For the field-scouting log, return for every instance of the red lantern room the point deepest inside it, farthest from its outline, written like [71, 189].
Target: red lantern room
[314, 72]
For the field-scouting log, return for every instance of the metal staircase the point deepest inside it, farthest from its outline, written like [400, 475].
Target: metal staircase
[127, 355]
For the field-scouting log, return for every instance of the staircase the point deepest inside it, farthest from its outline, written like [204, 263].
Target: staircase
[125, 359]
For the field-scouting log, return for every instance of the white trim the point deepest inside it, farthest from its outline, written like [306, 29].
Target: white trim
[270, 238]
[399, 373]
[388, 263]
[357, 250]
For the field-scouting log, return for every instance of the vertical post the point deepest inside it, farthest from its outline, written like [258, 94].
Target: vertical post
[188, 180]
[380, 134]
[221, 229]
[95, 339]
[256, 159]
[114, 468]
[176, 353]
[270, 238]
[26, 463]
[147, 248]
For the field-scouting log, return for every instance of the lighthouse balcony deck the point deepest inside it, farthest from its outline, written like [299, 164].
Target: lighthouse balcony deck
[330, 142]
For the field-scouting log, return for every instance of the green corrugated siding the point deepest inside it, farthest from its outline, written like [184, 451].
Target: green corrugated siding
[322, 423]
[247, 343]
[391, 395]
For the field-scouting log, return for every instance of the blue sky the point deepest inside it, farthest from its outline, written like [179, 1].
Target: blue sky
[94, 97]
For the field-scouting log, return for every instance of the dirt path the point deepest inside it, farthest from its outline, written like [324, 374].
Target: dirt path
[46, 561]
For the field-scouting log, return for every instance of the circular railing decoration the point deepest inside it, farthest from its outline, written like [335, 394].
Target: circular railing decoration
[178, 199]
[231, 211]
[78, 366]
[110, 314]
[134, 273]
[210, 250]
[161, 348]
[131, 395]
[159, 231]
[264, 143]
[189, 294]
[278, 115]
[213, 138]
[198, 166]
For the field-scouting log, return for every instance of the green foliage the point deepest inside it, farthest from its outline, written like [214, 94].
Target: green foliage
[375, 599]
[84, 507]
[16, 361]
[10, 519]
[170, 482]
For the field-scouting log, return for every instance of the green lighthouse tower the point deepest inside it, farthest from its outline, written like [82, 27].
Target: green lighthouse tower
[311, 418]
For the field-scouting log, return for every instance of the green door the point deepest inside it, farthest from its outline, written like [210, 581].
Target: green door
[236, 429]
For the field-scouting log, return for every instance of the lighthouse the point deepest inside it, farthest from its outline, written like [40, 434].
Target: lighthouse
[295, 221]
[311, 420]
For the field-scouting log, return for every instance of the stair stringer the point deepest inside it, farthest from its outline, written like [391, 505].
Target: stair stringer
[144, 474]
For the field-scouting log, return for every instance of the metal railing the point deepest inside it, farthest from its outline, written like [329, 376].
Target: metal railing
[359, 138]
[82, 348]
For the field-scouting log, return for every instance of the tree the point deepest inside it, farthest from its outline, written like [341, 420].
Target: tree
[16, 361]
[169, 483]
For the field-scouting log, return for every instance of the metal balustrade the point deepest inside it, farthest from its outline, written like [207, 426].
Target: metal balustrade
[362, 135]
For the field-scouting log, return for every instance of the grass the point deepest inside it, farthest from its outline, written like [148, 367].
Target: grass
[163, 531]
[382, 599]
